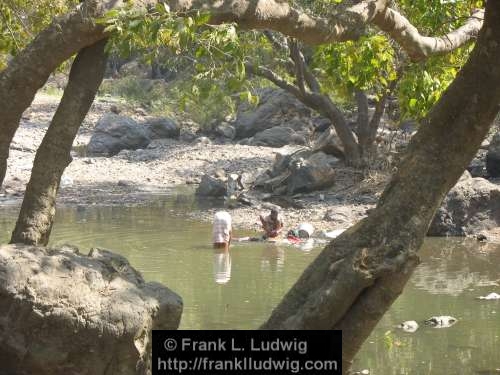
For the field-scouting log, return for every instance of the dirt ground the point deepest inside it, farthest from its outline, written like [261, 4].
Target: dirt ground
[131, 177]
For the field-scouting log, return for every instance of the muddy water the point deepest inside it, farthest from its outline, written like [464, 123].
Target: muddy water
[240, 290]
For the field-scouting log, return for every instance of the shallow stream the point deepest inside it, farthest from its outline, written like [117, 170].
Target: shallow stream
[239, 291]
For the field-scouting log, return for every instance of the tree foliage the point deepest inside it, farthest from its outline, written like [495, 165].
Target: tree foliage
[21, 20]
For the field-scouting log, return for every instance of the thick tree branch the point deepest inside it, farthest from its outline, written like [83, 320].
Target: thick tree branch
[348, 23]
[278, 43]
[420, 47]
[298, 61]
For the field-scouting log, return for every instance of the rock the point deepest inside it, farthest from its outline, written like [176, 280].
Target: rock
[329, 143]
[338, 215]
[212, 187]
[66, 181]
[187, 135]
[277, 136]
[493, 157]
[114, 133]
[321, 124]
[275, 108]
[203, 141]
[135, 69]
[441, 321]
[298, 139]
[312, 174]
[477, 167]
[285, 156]
[225, 130]
[141, 155]
[62, 312]
[140, 111]
[490, 297]
[471, 206]
[114, 108]
[161, 127]
[125, 183]
[408, 326]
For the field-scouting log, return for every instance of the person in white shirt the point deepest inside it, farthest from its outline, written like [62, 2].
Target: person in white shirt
[222, 230]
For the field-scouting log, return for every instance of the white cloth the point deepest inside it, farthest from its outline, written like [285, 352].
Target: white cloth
[222, 227]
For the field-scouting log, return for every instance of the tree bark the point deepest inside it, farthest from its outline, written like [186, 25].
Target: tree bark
[363, 122]
[30, 69]
[356, 278]
[36, 218]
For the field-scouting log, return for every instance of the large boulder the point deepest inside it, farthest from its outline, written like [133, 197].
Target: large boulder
[277, 136]
[329, 143]
[212, 186]
[493, 157]
[471, 206]
[276, 107]
[114, 133]
[296, 170]
[66, 313]
[312, 174]
[161, 127]
[220, 186]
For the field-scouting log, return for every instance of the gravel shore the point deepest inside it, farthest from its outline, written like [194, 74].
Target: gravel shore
[133, 177]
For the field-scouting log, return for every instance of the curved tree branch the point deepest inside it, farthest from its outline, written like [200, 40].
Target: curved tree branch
[420, 47]
[348, 23]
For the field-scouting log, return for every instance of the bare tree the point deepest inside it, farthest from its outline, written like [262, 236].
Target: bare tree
[307, 89]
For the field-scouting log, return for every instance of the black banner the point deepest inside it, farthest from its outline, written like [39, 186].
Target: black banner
[247, 352]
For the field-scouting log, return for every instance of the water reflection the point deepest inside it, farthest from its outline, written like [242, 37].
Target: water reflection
[168, 247]
[451, 276]
[222, 266]
[272, 258]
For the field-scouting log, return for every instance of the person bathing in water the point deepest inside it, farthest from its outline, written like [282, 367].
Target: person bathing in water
[222, 230]
[272, 224]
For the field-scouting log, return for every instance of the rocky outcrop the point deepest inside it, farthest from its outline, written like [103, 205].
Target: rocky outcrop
[220, 186]
[313, 173]
[276, 107]
[277, 136]
[211, 186]
[471, 206]
[493, 157]
[114, 133]
[329, 143]
[161, 127]
[298, 171]
[225, 130]
[66, 313]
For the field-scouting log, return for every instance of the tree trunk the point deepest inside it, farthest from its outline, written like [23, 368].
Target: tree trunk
[356, 278]
[31, 68]
[324, 105]
[363, 122]
[35, 220]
